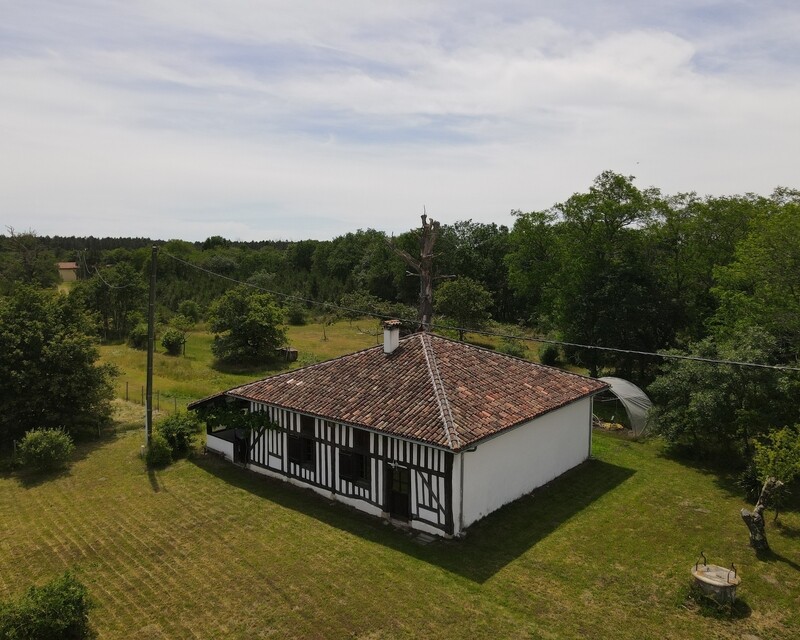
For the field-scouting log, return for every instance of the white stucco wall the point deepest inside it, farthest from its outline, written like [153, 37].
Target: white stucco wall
[517, 461]
[220, 446]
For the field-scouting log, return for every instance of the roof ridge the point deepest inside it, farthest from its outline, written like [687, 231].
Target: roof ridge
[439, 393]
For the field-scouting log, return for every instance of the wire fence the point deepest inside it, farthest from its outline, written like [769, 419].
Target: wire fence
[166, 402]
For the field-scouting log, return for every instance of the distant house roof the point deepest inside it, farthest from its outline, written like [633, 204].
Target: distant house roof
[432, 389]
[67, 265]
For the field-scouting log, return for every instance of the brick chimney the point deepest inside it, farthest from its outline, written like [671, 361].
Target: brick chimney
[391, 335]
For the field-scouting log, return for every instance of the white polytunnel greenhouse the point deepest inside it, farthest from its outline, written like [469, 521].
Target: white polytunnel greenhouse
[634, 400]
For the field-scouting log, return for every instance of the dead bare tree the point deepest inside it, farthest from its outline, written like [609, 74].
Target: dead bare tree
[423, 267]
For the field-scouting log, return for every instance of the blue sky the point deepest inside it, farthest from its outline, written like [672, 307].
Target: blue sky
[257, 120]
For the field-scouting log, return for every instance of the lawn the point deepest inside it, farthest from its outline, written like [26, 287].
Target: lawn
[179, 380]
[204, 549]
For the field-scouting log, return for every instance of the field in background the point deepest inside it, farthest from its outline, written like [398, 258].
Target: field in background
[182, 379]
[204, 549]
[193, 376]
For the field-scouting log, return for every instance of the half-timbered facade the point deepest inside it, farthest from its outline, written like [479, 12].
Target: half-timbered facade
[426, 431]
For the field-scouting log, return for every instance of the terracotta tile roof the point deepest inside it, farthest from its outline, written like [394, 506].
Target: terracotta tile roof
[431, 389]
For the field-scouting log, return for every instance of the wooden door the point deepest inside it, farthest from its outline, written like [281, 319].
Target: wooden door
[398, 484]
[241, 446]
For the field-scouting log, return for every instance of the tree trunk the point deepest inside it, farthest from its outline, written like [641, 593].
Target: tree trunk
[755, 519]
[424, 268]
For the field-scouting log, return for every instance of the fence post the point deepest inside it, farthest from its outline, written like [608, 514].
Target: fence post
[126, 391]
[142, 395]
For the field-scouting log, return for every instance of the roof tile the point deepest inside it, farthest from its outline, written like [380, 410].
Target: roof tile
[480, 392]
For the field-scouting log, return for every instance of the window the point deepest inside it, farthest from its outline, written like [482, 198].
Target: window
[354, 465]
[301, 446]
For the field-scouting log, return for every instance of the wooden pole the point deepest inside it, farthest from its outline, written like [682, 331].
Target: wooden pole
[151, 340]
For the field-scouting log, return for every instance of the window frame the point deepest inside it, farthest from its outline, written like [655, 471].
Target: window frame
[355, 463]
[302, 447]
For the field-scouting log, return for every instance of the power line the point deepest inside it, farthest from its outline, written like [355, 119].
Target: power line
[362, 312]
[97, 272]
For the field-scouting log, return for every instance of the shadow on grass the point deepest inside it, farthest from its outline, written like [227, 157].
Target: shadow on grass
[489, 545]
[770, 556]
[255, 370]
[153, 478]
[29, 478]
[697, 601]
[725, 473]
[793, 533]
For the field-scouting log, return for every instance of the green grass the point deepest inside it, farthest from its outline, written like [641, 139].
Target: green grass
[194, 376]
[204, 549]
[182, 379]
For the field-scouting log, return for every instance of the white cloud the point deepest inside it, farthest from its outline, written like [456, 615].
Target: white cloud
[254, 120]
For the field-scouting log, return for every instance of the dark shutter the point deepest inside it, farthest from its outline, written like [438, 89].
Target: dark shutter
[346, 465]
[294, 449]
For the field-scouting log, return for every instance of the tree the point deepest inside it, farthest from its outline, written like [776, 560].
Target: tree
[754, 520]
[532, 261]
[49, 366]
[117, 294]
[604, 291]
[777, 462]
[24, 258]
[174, 338]
[173, 341]
[248, 326]
[689, 238]
[465, 303]
[424, 267]
[761, 287]
[718, 410]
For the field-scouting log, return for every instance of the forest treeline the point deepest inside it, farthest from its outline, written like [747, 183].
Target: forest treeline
[614, 266]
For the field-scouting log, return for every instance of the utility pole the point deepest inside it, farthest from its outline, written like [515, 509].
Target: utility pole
[151, 339]
[424, 268]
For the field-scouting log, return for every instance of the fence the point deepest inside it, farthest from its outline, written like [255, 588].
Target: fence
[168, 401]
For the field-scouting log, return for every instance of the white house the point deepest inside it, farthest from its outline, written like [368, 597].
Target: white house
[424, 430]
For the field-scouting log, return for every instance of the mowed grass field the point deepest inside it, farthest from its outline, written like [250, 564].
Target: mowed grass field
[193, 376]
[204, 549]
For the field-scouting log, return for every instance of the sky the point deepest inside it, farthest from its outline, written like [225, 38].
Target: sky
[260, 120]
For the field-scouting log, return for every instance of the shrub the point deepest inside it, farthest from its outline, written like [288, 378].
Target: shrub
[59, 609]
[549, 355]
[159, 453]
[513, 347]
[45, 449]
[138, 336]
[179, 431]
[172, 341]
[296, 315]
[190, 309]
